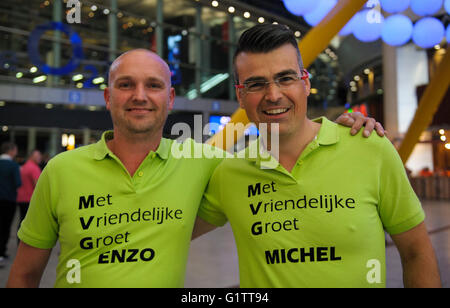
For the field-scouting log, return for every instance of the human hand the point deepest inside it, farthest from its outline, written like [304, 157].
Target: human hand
[356, 120]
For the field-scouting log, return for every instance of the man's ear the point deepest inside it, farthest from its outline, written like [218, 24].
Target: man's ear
[307, 86]
[106, 95]
[171, 98]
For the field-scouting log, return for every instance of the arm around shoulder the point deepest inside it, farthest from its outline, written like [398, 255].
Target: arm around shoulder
[201, 227]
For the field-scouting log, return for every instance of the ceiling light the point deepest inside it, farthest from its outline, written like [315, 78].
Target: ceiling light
[98, 80]
[77, 77]
[39, 79]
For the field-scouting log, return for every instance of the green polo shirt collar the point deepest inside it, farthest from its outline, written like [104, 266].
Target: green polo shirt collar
[328, 135]
[101, 149]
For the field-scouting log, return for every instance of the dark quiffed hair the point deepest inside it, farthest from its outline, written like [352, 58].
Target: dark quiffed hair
[265, 38]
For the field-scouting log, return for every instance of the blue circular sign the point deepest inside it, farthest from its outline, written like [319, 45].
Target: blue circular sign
[75, 41]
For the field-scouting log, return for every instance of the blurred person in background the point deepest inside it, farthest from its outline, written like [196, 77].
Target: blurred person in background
[29, 174]
[9, 182]
[426, 172]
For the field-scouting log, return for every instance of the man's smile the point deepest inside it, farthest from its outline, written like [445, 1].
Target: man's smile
[275, 111]
[139, 110]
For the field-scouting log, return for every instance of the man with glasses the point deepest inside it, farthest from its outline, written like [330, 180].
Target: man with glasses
[315, 218]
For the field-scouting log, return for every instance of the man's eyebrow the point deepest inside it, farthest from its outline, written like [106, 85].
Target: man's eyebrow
[285, 72]
[255, 78]
[129, 77]
[120, 78]
[279, 74]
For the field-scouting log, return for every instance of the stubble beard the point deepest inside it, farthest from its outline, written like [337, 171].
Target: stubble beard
[139, 127]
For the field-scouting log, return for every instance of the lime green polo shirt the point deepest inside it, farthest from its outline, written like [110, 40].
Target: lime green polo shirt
[116, 230]
[320, 225]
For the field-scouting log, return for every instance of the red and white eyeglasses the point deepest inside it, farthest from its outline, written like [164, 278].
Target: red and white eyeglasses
[283, 82]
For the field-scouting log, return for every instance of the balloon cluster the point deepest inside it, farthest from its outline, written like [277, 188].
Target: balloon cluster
[369, 25]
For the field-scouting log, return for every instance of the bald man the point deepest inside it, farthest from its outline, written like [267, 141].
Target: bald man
[122, 209]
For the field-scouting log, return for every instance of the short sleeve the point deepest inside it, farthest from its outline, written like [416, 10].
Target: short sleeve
[40, 227]
[210, 207]
[400, 209]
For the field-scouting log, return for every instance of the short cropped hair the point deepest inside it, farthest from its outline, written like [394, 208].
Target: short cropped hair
[7, 146]
[265, 38]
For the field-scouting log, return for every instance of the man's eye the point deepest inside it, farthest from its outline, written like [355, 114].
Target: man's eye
[255, 85]
[124, 85]
[286, 79]
[155, 86]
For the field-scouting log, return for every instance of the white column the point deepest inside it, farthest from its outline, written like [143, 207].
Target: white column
[404, 69]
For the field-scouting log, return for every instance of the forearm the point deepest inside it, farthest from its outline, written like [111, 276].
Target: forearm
[28, 267]
[23, 280]
[420, 268]
[421, 271]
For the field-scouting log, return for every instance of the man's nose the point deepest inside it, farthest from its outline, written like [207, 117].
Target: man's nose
[140, 93]
[273, 92]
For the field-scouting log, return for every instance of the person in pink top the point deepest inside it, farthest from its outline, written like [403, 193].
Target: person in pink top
[29, 174]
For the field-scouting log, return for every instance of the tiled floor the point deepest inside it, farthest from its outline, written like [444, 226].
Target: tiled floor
[213, 258]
